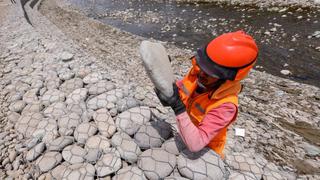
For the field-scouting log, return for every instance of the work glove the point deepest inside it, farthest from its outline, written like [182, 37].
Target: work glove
[174, 101]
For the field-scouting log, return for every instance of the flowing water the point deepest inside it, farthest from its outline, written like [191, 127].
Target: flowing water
[286, 36]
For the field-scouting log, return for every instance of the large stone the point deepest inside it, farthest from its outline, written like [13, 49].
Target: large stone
[60, 143]
[100, 87]
[105, 123]
[92, 78]
[79, 171]
[131, 120]
[127, 103]
[52, 96]
[66, 74]
[47, 130]
[68, 123]
[52, 83]
[28, 123]
[95, 145]
[36, 106]
[203, 164]
[158, 67]
[70, 85]
[156, 163]
[56, 110]
[109, 163]
[58, 171]
[128, 149]
[35, 152]
[105, 100]
[13, 117]
[17, 106]
[77, 96]
[66, 56]
[174, 145]
[31, 96]
[311, 150]
[129, 172]
[81, 109]
[84, 131]
[48, 161]
[74, 154]
[152, 134]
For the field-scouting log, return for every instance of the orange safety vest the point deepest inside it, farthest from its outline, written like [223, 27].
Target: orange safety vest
[199, 106]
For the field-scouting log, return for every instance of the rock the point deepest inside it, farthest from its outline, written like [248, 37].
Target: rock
[47, 130]
[17, 106]
[52, 96]
[100, 101]
[175, 178]
[31, 96]
[130, 172]
[285, 72]
[82, 72]
[58, 171]
[73, 154]
[84, 131]
[70, 85]
[66, 74]
[12, 155]
[77, 96]
[60, 143]
[158, 67]
[81, 109]
[66, 56]
[109, 163]
[156, 163]
[203, 164]
[27, 123]
[35, 152]
[95, 145]
[128, 149]
[127, 103]
[92, 78]
[105, 123]
[242, 176]
[13, 117]
[79, 171]
[55, 110]
[174, 145]
[52, 83]
[68, 123]
[311, 150]
[33, 107]
[152, 134]
[131, 120]
[100, 87]
[48, 161]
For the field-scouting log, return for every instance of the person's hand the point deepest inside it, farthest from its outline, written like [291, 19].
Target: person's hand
[174, 101]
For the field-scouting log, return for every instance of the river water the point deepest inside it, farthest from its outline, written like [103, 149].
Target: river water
[287, 37]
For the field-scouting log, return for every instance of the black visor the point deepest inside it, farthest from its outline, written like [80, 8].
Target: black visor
[213, 69]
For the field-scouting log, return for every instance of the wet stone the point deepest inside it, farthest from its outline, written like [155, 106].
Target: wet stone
[74, 154]
[95, 145]
[92, 78]
[152, 134]
[129, 172]
[17, 106]
[104, 122]
[109, 163]
[84, 131]
[48, 161]
[56, 110]
[100, 87]
[60, 143]
[47, 130]
[131, 120]
[52, 96]
[77, 96]
[28, 123]
[156, 163]
[79, 171]
[68, 123]
[128, 149]
[70, 85]
[203, 164]
[35, 152]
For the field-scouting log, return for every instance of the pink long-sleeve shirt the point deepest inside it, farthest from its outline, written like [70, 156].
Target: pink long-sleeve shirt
[197, 137]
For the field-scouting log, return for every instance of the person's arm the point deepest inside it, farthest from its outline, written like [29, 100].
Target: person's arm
[196, 138]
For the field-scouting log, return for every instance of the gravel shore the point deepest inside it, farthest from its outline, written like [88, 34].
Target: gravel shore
[76, 103]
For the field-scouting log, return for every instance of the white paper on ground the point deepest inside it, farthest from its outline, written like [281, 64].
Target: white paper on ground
[158, 67]
[240, 132]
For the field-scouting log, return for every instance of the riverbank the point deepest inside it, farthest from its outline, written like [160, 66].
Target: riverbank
[64, 53]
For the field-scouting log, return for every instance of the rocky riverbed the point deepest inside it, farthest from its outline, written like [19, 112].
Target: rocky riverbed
[76, 103]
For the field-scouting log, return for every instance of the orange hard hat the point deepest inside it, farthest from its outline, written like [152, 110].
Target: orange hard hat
[229, 56]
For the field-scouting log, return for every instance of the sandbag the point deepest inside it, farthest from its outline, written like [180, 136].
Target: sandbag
[158, 67]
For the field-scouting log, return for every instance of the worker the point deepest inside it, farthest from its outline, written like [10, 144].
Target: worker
[205, 101]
